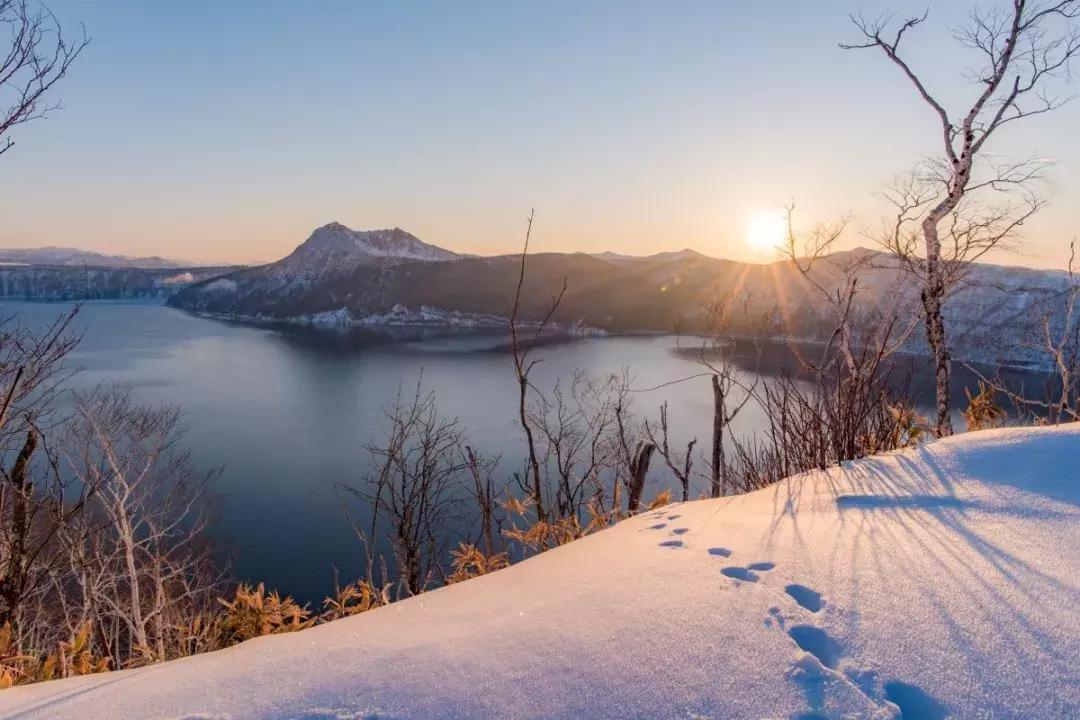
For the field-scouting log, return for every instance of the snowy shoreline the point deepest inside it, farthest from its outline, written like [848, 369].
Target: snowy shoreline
[398, 316]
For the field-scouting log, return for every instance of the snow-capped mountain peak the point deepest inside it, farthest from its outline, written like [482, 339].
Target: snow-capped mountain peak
[338, 243]
[334, 249]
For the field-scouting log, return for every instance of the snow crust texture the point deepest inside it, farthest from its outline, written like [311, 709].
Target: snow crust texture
[938, 582]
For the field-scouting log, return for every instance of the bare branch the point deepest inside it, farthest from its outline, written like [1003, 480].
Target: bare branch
[39, 56]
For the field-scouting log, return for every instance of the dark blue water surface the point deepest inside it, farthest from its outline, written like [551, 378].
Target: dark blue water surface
[286, 412]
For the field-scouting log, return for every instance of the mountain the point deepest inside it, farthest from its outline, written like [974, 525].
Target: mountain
[661, 256]
[934, 582]
[73, 257]
[342, 276]
[334, 249]
[333, 246]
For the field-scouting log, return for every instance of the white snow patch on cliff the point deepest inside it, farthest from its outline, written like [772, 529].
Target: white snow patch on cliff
[221, 285]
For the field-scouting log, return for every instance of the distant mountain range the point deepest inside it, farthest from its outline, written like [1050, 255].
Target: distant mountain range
[676, 255]
[340, 276]
[63, 256]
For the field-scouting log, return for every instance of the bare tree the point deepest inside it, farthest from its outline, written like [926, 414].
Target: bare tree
[31, 365]
[837, 279]
[718, 356]
[420, 467]
[1058, 341]
[681, 467]
[1061, 342]
[575, 427]
[523, 367]
[1023, 50]
[486, 496]
[36, 500]
[634, 449]
[38, 57]
[32, 510]
[145, 568]
[847, 413]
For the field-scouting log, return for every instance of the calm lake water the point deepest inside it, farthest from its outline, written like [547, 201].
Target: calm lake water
[285, 413]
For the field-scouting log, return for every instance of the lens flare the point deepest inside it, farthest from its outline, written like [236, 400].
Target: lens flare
[766, 232]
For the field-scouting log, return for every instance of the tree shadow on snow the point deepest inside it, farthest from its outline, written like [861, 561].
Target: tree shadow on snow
[903, 519]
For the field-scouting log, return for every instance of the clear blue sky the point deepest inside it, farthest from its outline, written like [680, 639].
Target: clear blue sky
[227, 131]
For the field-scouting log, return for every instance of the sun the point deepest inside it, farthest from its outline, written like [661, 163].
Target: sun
[766, 232]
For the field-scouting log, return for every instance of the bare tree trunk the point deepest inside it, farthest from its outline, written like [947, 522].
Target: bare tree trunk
[127, 540]
[932, 297]
[537, 487]
[13, 582]
[159, 609]
[639, 467]
[935, 290]
[718, 474]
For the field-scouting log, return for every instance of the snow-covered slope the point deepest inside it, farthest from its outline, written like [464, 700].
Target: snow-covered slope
[931, 583]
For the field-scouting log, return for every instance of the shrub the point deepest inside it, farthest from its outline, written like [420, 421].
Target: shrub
[254, 612]
[353, 599]
[470, 561]
[983, 411]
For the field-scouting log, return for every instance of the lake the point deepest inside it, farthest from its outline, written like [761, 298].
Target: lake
[285, 412]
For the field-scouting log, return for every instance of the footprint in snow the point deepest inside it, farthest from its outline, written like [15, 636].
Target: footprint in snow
[747, 574]
[914, 702]
[680, 531]
[719, 552]
[739, 573]
[671, 544]
[657, 526]
[818, 643]
[673, 517]
[808, 599]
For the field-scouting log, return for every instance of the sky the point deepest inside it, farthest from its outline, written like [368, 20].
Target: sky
[226, 132]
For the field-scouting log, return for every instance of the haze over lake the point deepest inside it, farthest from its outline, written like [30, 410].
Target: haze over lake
[285, 412]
